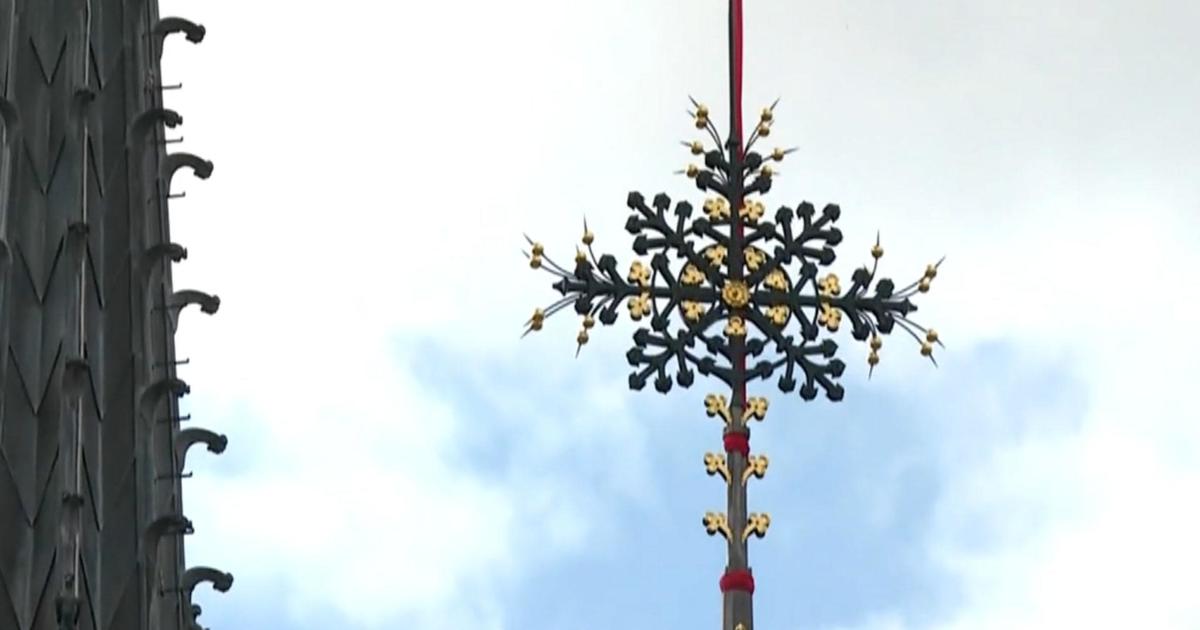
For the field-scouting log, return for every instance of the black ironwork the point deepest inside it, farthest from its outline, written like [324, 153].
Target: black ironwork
[738, 297]
[783, 289]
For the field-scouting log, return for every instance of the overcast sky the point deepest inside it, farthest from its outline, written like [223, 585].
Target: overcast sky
[400, 459]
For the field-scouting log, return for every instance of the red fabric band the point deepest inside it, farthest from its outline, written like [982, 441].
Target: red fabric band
[737, 581]
[737, 443]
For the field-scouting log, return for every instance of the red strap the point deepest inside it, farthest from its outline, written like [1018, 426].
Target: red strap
[737, 581]
[737, 443]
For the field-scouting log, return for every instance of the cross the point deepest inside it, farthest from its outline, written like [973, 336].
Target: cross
[736, 295]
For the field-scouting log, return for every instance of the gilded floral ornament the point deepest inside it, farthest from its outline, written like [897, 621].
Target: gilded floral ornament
[755, 258]
[829, 317]
[716, 405]
[692, 311]
[756, 525]
[639, 306]
[776, 280]
[639, 274]
[756, 408]
[717, 208]
[714, 464]
[756, 466]
[691, 276]
[716, 255]
[778, 314]
[715, 523]
[830, 286]
[752, 211]
[735, 294]
[735, 326]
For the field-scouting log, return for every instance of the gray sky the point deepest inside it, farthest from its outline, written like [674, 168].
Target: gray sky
[399, 459]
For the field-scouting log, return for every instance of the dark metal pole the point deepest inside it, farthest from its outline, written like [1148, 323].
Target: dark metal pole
[738, 605]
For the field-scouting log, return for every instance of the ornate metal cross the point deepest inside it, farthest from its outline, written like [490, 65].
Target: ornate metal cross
[735, 296]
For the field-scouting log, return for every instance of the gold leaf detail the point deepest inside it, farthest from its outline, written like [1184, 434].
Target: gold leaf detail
[639, 306]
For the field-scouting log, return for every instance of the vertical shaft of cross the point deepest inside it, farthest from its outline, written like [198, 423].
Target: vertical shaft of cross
[737, 584]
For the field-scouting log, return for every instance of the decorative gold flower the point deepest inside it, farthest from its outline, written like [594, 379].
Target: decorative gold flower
[639, 306]
[735, 327]
[639, 274]
[691, 276]
[752, 211]
[735, 293]
[756, 466]
[755, 258]
[715, 404]
[756, 407]
[716, 208]
[829, 317]
[714, 464]
[757, 525]
[776, 280]
[830, 285]
[715, 522]
[692, 311]
[779, 314]
[716, 254]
